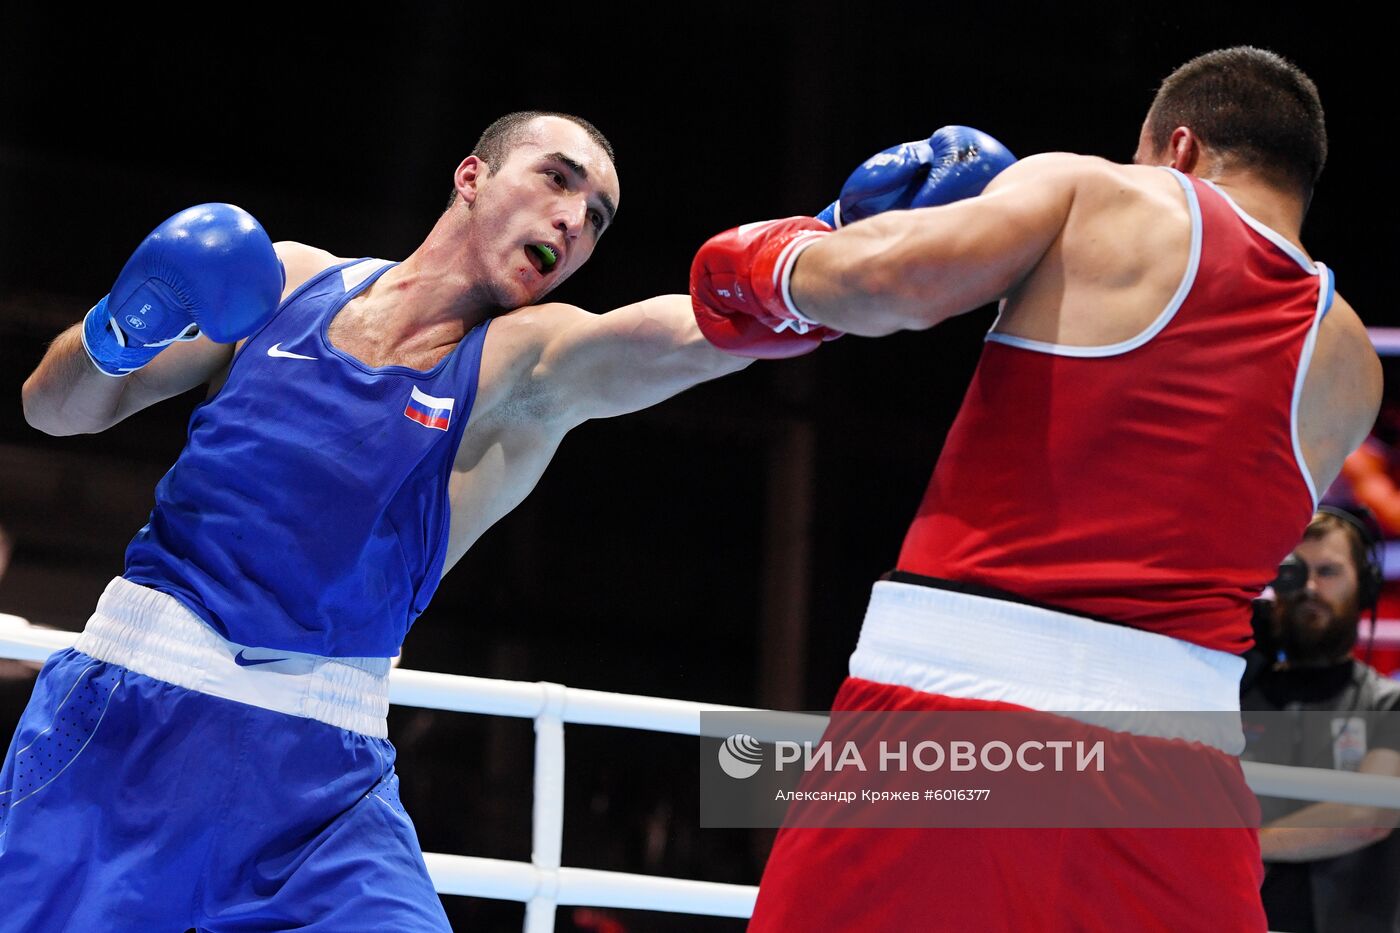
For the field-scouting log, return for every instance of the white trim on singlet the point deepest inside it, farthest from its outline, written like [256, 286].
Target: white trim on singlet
[351, 276]
[1132, 343]
[1324, 294]
[1268, 233]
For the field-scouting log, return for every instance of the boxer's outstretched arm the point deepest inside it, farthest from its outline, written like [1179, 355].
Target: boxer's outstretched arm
[909, 270]
[601, 365]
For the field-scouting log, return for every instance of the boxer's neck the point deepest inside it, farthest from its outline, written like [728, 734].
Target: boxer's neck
[404, 318]
[1265, 200]
[1267, 197]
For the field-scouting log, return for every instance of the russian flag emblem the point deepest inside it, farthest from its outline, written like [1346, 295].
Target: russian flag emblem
[428, 410]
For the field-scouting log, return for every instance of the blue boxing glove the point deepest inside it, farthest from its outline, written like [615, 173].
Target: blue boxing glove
[208, 270]
[956, 162]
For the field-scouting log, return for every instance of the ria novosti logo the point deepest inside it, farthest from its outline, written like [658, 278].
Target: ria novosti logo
[740, 756]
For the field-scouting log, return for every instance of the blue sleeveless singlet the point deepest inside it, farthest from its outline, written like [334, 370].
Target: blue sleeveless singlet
[308, 511]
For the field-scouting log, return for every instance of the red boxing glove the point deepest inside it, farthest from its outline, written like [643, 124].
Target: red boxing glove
[739, 289]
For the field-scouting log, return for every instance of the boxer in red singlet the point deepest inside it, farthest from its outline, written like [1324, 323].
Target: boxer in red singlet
[1170, 383]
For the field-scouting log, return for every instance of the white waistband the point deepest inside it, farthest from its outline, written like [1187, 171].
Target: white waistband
[975, 647]
[153, 634]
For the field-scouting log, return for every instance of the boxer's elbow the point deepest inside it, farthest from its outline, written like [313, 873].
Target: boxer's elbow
[49, 412]
[44, 419]
[39, 413]
[66, 394]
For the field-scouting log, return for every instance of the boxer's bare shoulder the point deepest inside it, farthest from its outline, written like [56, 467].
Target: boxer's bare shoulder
[301, 262]
[546, 369]
[1341, 393]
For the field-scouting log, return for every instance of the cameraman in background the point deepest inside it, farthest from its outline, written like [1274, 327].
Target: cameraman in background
[1329, 866]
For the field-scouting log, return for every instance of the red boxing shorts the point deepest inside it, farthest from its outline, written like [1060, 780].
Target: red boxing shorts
[1050, 877]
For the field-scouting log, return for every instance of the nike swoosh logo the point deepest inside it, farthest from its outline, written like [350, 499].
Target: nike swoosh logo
[249, 662]
[276, 352]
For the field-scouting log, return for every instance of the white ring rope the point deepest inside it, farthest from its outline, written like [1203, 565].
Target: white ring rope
[545, 883]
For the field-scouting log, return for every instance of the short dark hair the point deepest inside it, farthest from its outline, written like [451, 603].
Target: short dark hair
[1251, 104]
[498, 139]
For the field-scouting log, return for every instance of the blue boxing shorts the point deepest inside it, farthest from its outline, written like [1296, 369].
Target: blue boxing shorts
[163, 778]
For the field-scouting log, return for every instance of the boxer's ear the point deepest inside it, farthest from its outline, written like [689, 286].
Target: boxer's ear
[1184, 149]
[468, 177]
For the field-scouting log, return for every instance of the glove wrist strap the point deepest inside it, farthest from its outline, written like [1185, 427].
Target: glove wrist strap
[799, 322]
[106, 344]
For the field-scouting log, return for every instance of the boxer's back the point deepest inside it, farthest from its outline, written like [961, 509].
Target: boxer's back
[1121, 258]
[1144, 438]
[1117, 262]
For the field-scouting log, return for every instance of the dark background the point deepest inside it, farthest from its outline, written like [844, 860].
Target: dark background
[718, 547]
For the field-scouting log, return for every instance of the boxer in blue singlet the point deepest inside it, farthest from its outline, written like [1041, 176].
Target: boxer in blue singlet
[213, 752]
